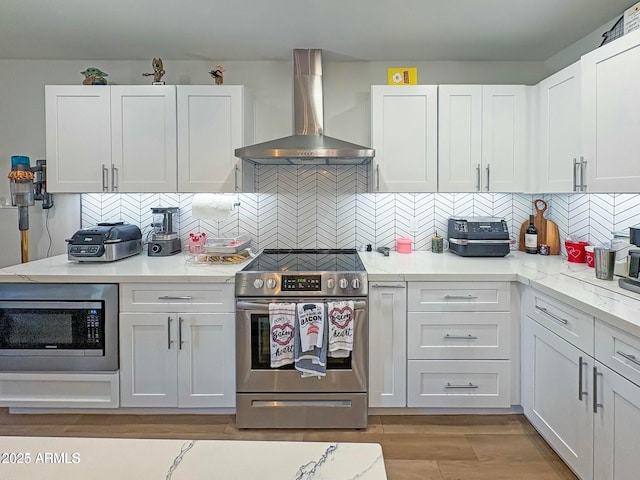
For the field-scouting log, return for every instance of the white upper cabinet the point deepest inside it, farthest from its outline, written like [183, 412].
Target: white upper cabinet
[211, 125]
[78, 138]
[611, 117]
[404, 133]
[482, 138]
[558, 168]
[143, 138]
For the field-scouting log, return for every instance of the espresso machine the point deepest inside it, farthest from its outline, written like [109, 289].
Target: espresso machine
[27, 185]
[164, 239]
[631, 280]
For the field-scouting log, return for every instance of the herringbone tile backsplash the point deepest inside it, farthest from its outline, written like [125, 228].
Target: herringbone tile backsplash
[327, 207]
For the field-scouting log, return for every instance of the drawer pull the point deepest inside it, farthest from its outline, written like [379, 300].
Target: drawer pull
[555, 317]
[389, 285]
[628, 356]
[169, 297]
[460, 297]
[469, 385]
[460, 337]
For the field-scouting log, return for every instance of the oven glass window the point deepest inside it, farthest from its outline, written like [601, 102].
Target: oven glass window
[261, 349]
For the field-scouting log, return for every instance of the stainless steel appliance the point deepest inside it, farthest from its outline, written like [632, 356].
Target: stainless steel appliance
[106, 242]
[632, 280]
[58, 327]
[478, 236]
[165, 240]
[308, 145]
[280, 398]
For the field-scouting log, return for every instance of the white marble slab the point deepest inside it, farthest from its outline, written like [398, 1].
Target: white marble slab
[108, 459]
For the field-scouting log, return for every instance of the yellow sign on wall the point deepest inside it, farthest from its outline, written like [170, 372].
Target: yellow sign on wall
[402, 76]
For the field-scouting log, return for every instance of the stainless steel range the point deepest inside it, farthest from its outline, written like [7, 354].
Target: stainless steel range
[279, 397]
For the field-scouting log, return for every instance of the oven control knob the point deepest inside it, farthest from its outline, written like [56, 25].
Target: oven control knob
[344, 283]
[331, 283]
[355, 283]
[258, 283]
[271, 283]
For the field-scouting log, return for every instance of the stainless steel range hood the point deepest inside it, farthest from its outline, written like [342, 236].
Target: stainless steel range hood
[308, 146]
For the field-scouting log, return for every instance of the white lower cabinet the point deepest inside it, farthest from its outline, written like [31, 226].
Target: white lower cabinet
[182, 354]
[387, 344]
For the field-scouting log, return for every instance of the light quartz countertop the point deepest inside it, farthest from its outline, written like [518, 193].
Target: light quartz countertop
[106, 459]
[572, 283]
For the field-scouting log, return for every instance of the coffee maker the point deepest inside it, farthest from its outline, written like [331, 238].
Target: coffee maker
[164, 240]
[632, 279]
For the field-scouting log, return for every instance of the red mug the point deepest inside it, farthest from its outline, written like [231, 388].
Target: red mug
[589, 255]
[575, 251]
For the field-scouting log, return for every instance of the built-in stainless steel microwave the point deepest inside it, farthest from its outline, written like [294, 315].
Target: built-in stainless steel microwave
[58, 327]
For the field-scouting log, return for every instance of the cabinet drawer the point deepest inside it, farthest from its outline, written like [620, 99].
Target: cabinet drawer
[458, 335]
[458, 296]
[574, 326]
[458, 383]
[176, 297]
[618, 350]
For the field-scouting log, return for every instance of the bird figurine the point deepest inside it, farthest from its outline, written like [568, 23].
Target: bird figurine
[94, 76]
[217, 74]
[158, 71]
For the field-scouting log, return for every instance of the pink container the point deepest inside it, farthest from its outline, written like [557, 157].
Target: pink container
[575, 251]
[403, 245]
[589, 255]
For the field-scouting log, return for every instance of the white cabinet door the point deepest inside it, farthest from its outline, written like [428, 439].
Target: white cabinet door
[206, 359]
[387, 344]
[210, 127]
[557, 395]
[459, 138]
[482, 138]
[78, 135]
[404, 133]
[148, 360]
[611, 117]
[144, 155]
[559, 125]
[504, 148]
[617, 423]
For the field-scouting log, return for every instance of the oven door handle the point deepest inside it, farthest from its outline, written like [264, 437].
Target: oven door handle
[358, 305]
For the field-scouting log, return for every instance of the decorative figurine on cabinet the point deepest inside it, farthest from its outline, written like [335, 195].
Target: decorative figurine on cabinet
[158, 71]
[217, 74]
[94, 76]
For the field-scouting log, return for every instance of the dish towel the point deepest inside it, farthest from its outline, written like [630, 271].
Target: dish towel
[282, 321]
[310, 340]
[341, 322]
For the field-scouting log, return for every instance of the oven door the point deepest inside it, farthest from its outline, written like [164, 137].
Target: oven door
[253, 371]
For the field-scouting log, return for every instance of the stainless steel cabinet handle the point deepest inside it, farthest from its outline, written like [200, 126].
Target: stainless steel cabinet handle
[596, 374]
[583, 174]
[392, 285]
[460, 337]
[575, 175]
[555, 317]
[478, 177]
[628, 356]
[469, 385]
[169, 297]
[235, 172]
[169, 341]
[377, 177]
[105, 174]
[114, 178]
[488, 177]
[180, 342]
[581, 393]
[460, 297]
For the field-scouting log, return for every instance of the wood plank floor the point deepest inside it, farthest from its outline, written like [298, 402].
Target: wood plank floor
[430, 447]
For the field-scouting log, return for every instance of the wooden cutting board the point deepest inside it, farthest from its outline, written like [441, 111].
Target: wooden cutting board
[547, 230]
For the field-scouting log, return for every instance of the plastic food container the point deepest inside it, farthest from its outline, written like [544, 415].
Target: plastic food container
[575, 251]
[403, 245]
[589, 255]
[227, 245]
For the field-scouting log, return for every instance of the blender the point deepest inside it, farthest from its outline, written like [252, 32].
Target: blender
[164, 240]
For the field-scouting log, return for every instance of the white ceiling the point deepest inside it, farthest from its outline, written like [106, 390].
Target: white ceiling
[403, 30]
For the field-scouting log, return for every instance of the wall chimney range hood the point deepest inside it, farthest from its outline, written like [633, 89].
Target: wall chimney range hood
[308, 146]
